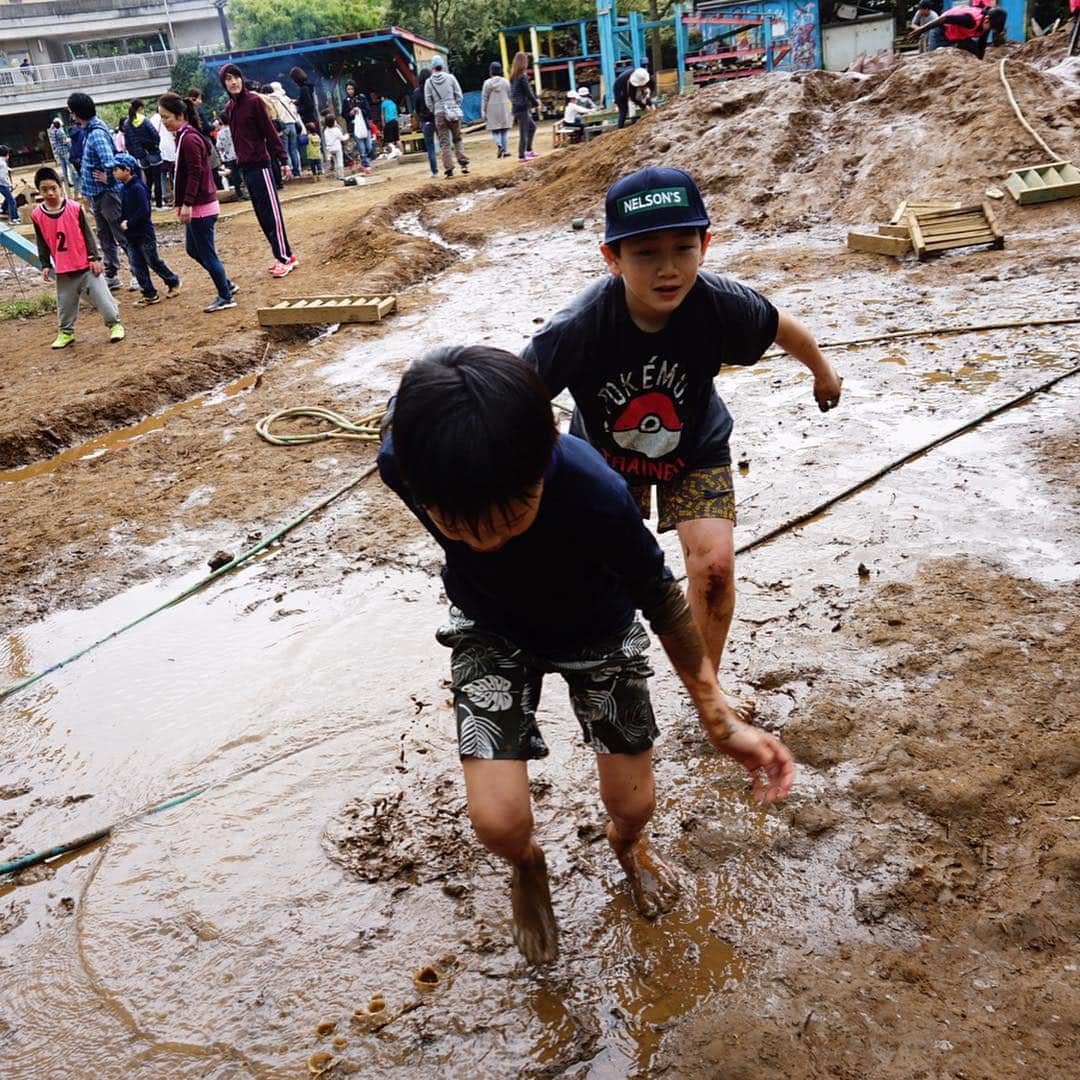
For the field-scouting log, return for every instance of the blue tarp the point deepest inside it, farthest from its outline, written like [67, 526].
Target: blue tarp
[470, 107]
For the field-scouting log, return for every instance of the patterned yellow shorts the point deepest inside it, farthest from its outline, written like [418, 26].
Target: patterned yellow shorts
[702, 493]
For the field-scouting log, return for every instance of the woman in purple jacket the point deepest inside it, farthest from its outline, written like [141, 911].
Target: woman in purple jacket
[195, 196]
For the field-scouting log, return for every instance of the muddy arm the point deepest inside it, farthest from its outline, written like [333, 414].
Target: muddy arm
[797, 341]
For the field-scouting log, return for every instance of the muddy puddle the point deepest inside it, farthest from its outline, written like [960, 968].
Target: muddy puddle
[121, 437]
[219, 937]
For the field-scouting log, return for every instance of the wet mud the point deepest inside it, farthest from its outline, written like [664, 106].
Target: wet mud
[911, 911]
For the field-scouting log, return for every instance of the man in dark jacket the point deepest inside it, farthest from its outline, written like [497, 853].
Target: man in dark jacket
[306, 104]
[256, 143]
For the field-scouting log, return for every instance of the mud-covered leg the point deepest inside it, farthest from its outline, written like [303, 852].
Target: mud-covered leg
[709, 553]
[629, 794]
[501, 815]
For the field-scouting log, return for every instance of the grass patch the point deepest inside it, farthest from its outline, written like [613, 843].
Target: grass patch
[28, 309]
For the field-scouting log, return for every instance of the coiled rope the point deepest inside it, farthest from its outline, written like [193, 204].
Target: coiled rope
[366, 429]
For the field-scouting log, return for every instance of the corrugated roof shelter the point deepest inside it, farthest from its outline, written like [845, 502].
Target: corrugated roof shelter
[386, 62]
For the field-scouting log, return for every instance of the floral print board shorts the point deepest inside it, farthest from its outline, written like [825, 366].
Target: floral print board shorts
[696, 495]
[497, 689]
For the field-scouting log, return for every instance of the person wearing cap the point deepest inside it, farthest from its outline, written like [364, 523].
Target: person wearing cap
[631, 88]
[139, 232]
[257, 142]
[639, 351]
[966, 27]
[574, 112]
[442, 95]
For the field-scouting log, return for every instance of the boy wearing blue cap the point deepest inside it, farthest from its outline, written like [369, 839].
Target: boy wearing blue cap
[139, 232]
[639, 351]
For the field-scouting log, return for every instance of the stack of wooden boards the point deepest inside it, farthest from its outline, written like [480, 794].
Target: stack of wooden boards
[327, 309]
[928, 228]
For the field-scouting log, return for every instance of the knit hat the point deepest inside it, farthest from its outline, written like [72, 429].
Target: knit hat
[650, 200]
[125, 161]
[229, 69]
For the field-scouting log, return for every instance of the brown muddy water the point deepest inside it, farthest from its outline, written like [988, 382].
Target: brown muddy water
[219, 938]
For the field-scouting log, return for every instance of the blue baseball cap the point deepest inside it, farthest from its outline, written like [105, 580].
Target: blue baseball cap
[125, 161]
[652, 199]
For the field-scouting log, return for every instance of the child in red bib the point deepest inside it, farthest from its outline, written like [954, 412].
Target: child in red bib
[69, 252]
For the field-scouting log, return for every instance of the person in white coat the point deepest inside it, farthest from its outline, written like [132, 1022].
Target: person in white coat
[495, 108]
[333, 144]
[442, 95]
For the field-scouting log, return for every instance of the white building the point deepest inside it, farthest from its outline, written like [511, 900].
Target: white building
[113, 50]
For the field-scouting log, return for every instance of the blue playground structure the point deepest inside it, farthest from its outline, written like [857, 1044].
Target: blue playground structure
[15, 244]
[724, 42]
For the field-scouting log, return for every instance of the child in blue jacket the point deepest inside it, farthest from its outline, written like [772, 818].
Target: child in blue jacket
[139, 231]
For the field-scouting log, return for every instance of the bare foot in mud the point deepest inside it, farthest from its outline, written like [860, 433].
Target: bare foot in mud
[743, 707]
[653, 884]
[535, 932]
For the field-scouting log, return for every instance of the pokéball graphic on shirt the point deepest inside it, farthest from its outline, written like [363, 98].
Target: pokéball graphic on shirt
[649, 425]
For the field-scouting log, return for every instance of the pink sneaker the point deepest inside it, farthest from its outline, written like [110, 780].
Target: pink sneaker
[530, 155]
[280, 270]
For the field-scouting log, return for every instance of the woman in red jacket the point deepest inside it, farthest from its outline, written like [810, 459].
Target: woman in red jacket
[194, 195]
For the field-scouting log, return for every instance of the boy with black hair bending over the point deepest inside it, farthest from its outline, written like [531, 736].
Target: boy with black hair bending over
[639, 350]
[547, 563]
[69, 253]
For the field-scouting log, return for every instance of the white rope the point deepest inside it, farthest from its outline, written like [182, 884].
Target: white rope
[1020, 116]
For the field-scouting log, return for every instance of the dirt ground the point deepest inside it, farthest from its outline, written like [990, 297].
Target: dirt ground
[913, 910]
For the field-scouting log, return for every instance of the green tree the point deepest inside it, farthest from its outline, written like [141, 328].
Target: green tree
[270, 22]
[188, 71]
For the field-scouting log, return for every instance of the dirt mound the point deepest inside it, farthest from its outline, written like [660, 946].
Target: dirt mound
[1045, 51]
[789, 150]
[387, 258]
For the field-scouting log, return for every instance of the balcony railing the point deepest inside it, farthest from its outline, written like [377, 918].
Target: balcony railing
[75, 73]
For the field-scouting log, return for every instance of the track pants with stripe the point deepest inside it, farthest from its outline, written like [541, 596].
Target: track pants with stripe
[264, 200]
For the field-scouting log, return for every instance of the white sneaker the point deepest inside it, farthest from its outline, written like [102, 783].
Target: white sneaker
[133, 285]
[393, 152]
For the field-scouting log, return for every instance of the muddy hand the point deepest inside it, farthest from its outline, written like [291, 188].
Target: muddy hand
[535, 931]
[743, 707]
[654, 886]
[759, 752]
[827, 389]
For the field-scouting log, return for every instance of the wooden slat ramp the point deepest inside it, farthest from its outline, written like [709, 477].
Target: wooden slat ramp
[327, 309]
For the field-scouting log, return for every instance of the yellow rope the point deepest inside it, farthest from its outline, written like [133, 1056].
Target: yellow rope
[365, 429]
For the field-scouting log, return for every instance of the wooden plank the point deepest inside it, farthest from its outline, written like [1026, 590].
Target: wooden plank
[386, 305]
[956, 230]
[948, 245]
[877, 244]
[945, 227]
[901, 231]
[917, 241]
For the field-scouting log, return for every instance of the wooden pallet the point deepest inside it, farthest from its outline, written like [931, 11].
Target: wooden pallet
[327, 309]
[881, 243]
[1042, 183]
[934, 231]
[919, 205]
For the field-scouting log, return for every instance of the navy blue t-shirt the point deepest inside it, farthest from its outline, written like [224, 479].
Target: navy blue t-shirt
[647, 401]
[576, 576]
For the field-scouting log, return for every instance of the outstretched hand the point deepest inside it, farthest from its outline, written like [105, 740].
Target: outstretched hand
[759, 752]
[827, 389]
